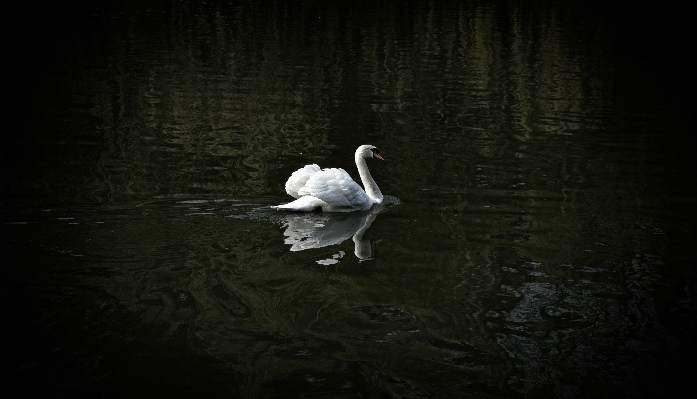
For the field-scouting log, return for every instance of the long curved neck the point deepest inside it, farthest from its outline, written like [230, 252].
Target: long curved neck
[368, 183]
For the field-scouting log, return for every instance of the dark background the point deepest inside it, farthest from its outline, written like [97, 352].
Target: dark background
[653, 48]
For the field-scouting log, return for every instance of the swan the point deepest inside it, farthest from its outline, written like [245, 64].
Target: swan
[332, 189]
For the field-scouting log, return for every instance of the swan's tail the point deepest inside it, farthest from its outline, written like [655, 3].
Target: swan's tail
[303, 204]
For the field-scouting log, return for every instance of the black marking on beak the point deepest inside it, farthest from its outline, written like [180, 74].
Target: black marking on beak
[376, 153]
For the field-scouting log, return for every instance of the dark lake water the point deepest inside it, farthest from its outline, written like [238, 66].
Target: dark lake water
[537, 238]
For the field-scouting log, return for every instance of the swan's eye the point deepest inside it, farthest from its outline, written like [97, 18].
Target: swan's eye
[375, 150]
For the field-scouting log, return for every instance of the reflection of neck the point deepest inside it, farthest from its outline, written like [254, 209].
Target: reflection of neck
[361, 248]
[368, 183]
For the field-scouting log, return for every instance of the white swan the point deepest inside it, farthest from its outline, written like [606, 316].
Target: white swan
[332, 189]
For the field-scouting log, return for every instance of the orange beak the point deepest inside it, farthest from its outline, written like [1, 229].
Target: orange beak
[378, 156]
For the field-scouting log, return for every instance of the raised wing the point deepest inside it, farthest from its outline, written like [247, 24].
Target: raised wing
[335, 187]
[298, 179]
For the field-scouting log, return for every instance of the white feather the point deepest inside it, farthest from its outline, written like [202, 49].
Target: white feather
[332, 189]
[303, 204]
[298, 179]
[336, 188]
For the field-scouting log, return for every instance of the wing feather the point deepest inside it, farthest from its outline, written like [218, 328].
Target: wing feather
[298, 179]
[335, 187]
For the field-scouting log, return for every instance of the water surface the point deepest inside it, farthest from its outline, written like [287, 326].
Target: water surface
[537, 241]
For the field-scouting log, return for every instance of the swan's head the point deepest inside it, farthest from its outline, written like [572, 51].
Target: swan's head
[369, 151]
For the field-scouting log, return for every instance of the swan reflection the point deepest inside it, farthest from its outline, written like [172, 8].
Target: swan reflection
[318, 230]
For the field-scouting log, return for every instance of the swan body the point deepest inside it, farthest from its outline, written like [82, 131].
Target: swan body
[332, 189]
